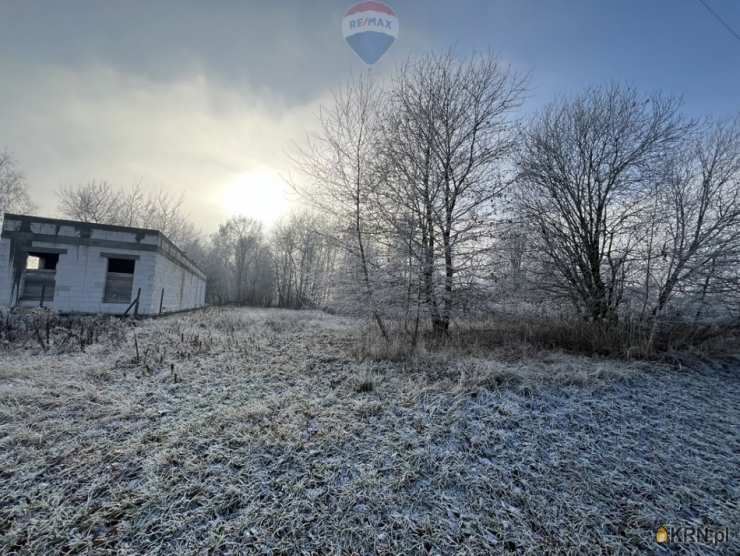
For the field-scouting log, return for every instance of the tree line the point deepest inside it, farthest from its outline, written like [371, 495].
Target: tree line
[609, 207]
[287, 266]
[431, 200]
[291, 265]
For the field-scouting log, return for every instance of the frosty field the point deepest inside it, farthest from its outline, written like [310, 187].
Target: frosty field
[261, 431]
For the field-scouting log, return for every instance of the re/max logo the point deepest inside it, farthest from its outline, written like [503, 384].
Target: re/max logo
[371, 22]
[704, 535]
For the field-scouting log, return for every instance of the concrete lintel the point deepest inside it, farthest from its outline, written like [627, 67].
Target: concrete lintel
[124, 256]
[49, 250]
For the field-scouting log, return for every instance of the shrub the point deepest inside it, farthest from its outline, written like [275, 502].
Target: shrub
[49, 331]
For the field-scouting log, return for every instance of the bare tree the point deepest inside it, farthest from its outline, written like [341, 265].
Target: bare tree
[339, 162]
[14, 195]
[96, 201]
[163, 211]
[239, 264]
[101, 202]
[304, 258]
[411, 186]
[445, 140]
[586, 168]
[132, 205]
[694, 242]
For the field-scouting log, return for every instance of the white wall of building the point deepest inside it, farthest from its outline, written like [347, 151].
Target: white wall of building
[80, 279]
[81, 270]
[183, 289]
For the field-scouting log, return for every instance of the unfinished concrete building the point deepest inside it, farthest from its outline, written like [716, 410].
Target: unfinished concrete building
[79, 267]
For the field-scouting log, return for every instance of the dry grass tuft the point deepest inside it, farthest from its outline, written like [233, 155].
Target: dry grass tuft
[271, 440]
[365, 384]
[516, 337]
[43, 330]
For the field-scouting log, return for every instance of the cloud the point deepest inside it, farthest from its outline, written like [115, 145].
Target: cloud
[183, 96]
[188, 134]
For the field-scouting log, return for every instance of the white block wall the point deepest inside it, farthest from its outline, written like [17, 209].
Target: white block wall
[80, 279]
[81, 272]
[183, 289]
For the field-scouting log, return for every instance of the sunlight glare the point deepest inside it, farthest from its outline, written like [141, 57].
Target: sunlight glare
[260, 194]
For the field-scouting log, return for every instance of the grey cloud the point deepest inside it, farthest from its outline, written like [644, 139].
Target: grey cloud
[187, 135]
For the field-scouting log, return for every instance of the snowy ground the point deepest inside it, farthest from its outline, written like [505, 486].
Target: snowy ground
[268, 435]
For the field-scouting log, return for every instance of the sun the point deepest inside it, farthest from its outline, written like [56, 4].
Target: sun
[260, 194]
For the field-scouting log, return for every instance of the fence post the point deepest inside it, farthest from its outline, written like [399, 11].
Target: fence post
[136, 307]
[43, 293]
[161, 299]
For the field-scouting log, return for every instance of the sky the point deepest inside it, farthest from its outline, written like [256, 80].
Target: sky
[208, 99]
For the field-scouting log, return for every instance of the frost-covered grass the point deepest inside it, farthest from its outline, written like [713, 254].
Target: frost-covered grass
[258, 431]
